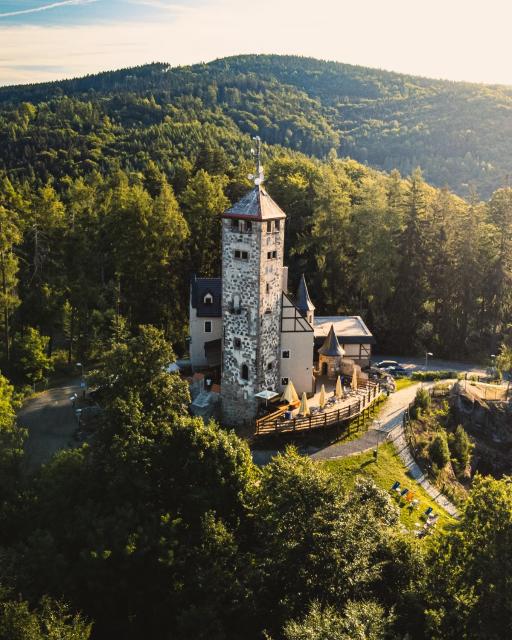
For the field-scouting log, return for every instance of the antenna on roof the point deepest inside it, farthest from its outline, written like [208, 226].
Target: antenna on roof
[260, 176]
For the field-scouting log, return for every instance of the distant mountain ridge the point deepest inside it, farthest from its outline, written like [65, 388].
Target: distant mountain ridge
[459, 133]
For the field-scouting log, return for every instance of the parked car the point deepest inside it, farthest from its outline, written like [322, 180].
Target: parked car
[385, 364]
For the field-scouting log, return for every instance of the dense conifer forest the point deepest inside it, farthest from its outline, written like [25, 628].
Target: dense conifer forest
[111, 188]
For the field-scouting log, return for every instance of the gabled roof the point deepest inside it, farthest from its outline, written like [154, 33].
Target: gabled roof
[199, 287]
[304, 303]
[255, 205]
[331, 346]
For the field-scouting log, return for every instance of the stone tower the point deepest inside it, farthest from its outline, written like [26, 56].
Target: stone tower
[252, 272]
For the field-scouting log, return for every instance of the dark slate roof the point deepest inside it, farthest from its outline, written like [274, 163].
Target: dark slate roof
[304, 303]
[255, 205]
[331, 346]
[199, 288]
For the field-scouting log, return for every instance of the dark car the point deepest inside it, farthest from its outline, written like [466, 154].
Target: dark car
[385, 364]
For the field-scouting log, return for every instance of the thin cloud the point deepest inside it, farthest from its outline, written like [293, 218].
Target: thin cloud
[45, 7]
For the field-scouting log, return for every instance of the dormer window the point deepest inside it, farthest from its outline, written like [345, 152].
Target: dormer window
[208, 298]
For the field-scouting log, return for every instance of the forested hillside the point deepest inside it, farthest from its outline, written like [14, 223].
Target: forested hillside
[458, 133]
[110, 195]
[161, 526]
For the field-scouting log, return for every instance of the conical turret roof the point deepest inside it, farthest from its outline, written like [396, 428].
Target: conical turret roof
[255, 205]
[304, 303]
[331, 346]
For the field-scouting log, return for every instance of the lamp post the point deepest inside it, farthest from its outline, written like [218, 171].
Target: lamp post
[82, 381]
[427, 354]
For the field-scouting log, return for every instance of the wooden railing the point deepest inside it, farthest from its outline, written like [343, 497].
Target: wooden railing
[277, 423]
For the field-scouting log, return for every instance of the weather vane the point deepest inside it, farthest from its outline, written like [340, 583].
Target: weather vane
[259, 177]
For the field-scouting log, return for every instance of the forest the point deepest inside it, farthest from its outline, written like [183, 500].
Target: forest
[458, 133]
[162, 527]
[111, 196]
[111, 190]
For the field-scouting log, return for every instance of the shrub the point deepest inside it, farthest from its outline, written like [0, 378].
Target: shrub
[422, 403]
[460, 448]
[426, 376]
[439, 451]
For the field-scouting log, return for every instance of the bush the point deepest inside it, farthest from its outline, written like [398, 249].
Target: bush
[439, 451]
[460, 448]
[422, 403]
[425, 376]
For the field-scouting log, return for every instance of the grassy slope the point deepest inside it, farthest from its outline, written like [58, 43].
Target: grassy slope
[388, 469]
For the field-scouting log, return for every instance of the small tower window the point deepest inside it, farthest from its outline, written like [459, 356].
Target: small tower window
[248, 226]
[269, 226]
[237, 343]
[269, 366]
[241, 255]
[277, 225]
[286, 353]
[267, 288]
[207, 326]
[284, 382]
[235, 225]
[245, 372]
[208, 299]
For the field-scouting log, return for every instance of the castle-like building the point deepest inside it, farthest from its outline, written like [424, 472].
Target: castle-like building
[249, 325]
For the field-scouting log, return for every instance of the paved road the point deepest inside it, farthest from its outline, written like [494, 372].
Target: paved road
[418, 364]
[51, 423]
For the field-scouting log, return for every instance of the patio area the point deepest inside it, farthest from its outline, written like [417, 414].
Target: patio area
[331, 401]
[336, 410]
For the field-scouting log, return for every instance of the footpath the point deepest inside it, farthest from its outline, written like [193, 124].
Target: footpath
[387, 428]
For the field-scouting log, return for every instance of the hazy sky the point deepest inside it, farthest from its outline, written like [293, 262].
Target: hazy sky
[455, 39]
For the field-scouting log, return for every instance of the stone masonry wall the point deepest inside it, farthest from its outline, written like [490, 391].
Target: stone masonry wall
[258, 330]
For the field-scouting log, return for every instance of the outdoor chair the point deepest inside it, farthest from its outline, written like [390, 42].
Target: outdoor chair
[395, 486]
[429, 511]
[404, 493]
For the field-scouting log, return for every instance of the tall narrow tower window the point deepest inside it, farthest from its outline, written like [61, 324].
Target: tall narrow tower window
[245, 372]
[269, 226]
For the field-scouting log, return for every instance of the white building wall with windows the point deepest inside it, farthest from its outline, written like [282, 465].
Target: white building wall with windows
[297, 361]
[199, 335]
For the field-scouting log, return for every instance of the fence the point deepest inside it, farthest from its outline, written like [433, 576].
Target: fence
[277, 423]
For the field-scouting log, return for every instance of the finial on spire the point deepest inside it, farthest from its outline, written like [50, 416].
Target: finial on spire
[260, 176]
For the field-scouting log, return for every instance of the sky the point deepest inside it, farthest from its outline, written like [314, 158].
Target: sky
[454, 39]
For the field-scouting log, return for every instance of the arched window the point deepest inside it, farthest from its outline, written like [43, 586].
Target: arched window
[208, 299]
[245, 372]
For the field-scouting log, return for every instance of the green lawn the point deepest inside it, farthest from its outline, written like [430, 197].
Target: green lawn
[403, 383]
[387, 470]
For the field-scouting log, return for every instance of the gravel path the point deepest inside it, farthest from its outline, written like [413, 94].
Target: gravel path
[51, 423]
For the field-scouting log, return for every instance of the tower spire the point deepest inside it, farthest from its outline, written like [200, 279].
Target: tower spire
[260, 176]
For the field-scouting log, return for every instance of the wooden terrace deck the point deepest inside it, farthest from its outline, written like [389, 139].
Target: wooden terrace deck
[276, 423]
